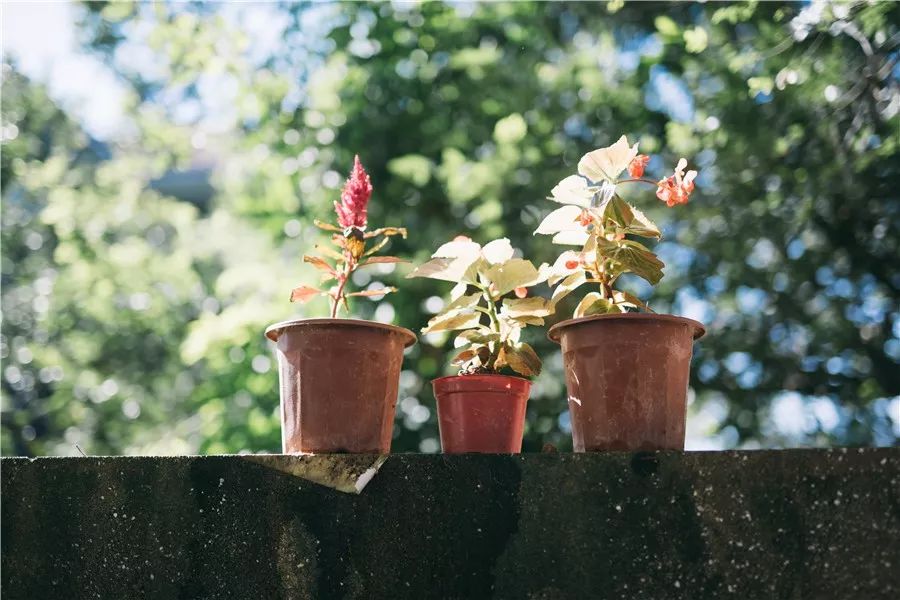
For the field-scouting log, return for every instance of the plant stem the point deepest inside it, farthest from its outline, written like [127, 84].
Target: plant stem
[638, 179]
[495, 326]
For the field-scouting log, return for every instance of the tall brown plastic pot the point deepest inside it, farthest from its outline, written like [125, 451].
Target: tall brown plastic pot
[339, 380]
[481, 413]
[627, 379]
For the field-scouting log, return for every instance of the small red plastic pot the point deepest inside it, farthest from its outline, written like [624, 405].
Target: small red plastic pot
[481, 413]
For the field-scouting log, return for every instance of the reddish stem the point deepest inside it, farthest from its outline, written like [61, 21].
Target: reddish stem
[641, 179]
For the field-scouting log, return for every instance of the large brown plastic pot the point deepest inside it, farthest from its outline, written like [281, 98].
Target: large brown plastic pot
[339, 380]
[481, 413]
[627, 379]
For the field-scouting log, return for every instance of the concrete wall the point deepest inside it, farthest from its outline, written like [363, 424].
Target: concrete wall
[768, 524]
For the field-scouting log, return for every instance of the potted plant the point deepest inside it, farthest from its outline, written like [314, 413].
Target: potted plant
[480, 409]
[339, 377]
[626, 368]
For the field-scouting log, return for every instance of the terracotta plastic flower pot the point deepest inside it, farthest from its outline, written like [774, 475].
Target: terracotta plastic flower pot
[481, 413]
[627, 378]
[339, 380]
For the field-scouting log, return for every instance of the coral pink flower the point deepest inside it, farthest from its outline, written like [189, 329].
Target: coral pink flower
[351, 211]
[637, 165]
[521, 292]
[677, 188]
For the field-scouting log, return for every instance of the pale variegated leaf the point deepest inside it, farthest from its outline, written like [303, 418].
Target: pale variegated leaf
[514, 273]
[482, 335]
[461, 319]
[498, 251]
[462, 248]
[527, 320]
[571, 238]
[566, 287]
[535, 306]
[458, 290]
[371, 293]
[627, 299]
[606, 164]
[564, 218]
[463, 302]
[573, 190]
[448, 269]
[589, 299]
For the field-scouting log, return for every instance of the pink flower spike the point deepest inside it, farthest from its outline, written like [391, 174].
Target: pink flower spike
[351, 211]
[637, 165]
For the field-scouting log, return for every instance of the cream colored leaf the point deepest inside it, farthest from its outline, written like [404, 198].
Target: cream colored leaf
[564, 218]
[514, 273]
[573, 190]
[571, 238]
[498, 251]
[534, 306]
[461, 319]
[606, 164]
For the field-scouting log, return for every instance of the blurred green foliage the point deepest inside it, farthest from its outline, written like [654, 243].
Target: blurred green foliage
[133, 319]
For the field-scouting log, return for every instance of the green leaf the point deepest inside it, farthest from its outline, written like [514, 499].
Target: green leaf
[634, 257]
[522, 359]
[618, 211]
[641, 225]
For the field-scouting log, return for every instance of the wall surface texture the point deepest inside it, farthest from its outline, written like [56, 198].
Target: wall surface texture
[764, 524]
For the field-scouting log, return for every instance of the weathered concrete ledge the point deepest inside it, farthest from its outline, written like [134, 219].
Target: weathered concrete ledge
[766, 524]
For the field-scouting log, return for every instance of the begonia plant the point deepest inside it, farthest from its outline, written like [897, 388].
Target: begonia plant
[350, 237]
[594, 217]
[489, 304]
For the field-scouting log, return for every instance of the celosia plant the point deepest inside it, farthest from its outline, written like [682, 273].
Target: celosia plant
[489, 304]
[594, 217]
[352, 239]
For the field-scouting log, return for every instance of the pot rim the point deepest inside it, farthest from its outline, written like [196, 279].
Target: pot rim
[274, 331]
[553, 334]
[480, 381]
[471, 375]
